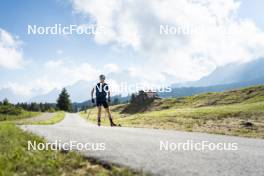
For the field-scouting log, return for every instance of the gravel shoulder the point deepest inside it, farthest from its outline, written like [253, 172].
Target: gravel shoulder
[42, 117]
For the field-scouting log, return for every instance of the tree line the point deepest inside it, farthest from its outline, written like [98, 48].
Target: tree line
[33, 106]
[63, 104]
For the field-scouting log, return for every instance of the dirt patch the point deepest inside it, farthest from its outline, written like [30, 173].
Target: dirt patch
[42, 117]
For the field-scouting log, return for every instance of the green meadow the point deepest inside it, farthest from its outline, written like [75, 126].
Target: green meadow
[237, 112]
[16, 159]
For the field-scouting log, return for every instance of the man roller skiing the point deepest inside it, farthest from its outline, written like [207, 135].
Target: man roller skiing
[101, 92]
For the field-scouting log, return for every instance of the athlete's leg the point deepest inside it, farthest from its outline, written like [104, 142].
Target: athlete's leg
[107, 110]
[110, 116]
[99, 108]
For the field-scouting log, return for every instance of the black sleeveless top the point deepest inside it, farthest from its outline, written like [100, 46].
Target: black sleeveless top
[101, 90]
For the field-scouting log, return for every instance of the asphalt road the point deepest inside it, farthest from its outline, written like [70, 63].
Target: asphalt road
[140, 149]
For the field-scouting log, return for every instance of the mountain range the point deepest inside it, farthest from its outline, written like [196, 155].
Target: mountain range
[231, 73]
[222, 78]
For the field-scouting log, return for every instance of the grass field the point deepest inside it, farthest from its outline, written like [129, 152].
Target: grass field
[15, 159]
[238, 112]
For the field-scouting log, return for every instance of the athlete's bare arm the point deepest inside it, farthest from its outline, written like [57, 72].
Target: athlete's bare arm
[109, 95]
[92, 92]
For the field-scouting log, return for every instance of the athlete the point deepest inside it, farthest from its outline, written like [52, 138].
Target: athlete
[102, 91]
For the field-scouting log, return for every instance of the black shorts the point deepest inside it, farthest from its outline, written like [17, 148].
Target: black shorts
[102, 103]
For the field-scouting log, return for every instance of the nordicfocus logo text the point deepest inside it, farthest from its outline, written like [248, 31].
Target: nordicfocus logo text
[190, 145]
[58, 145]
[59, 29]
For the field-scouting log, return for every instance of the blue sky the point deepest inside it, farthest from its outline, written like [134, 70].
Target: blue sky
[42, 63]
[254, 10]
[17, 15]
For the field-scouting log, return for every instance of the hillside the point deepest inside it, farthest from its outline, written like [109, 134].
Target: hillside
[246, 95]
[188, 91]
[237, 112]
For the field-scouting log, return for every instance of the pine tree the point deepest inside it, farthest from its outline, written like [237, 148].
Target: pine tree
[64, 102]
[6, 102]
[133, 97]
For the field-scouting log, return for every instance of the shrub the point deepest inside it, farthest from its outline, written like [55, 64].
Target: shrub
[10, 110]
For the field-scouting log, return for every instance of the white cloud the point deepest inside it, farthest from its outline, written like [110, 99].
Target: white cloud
[54, 63]
[135, 24]
[66, 73]
[34, 87]
[10, 53]
[55, 74]
[17, 89]
[111, 68]
[42, 85]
